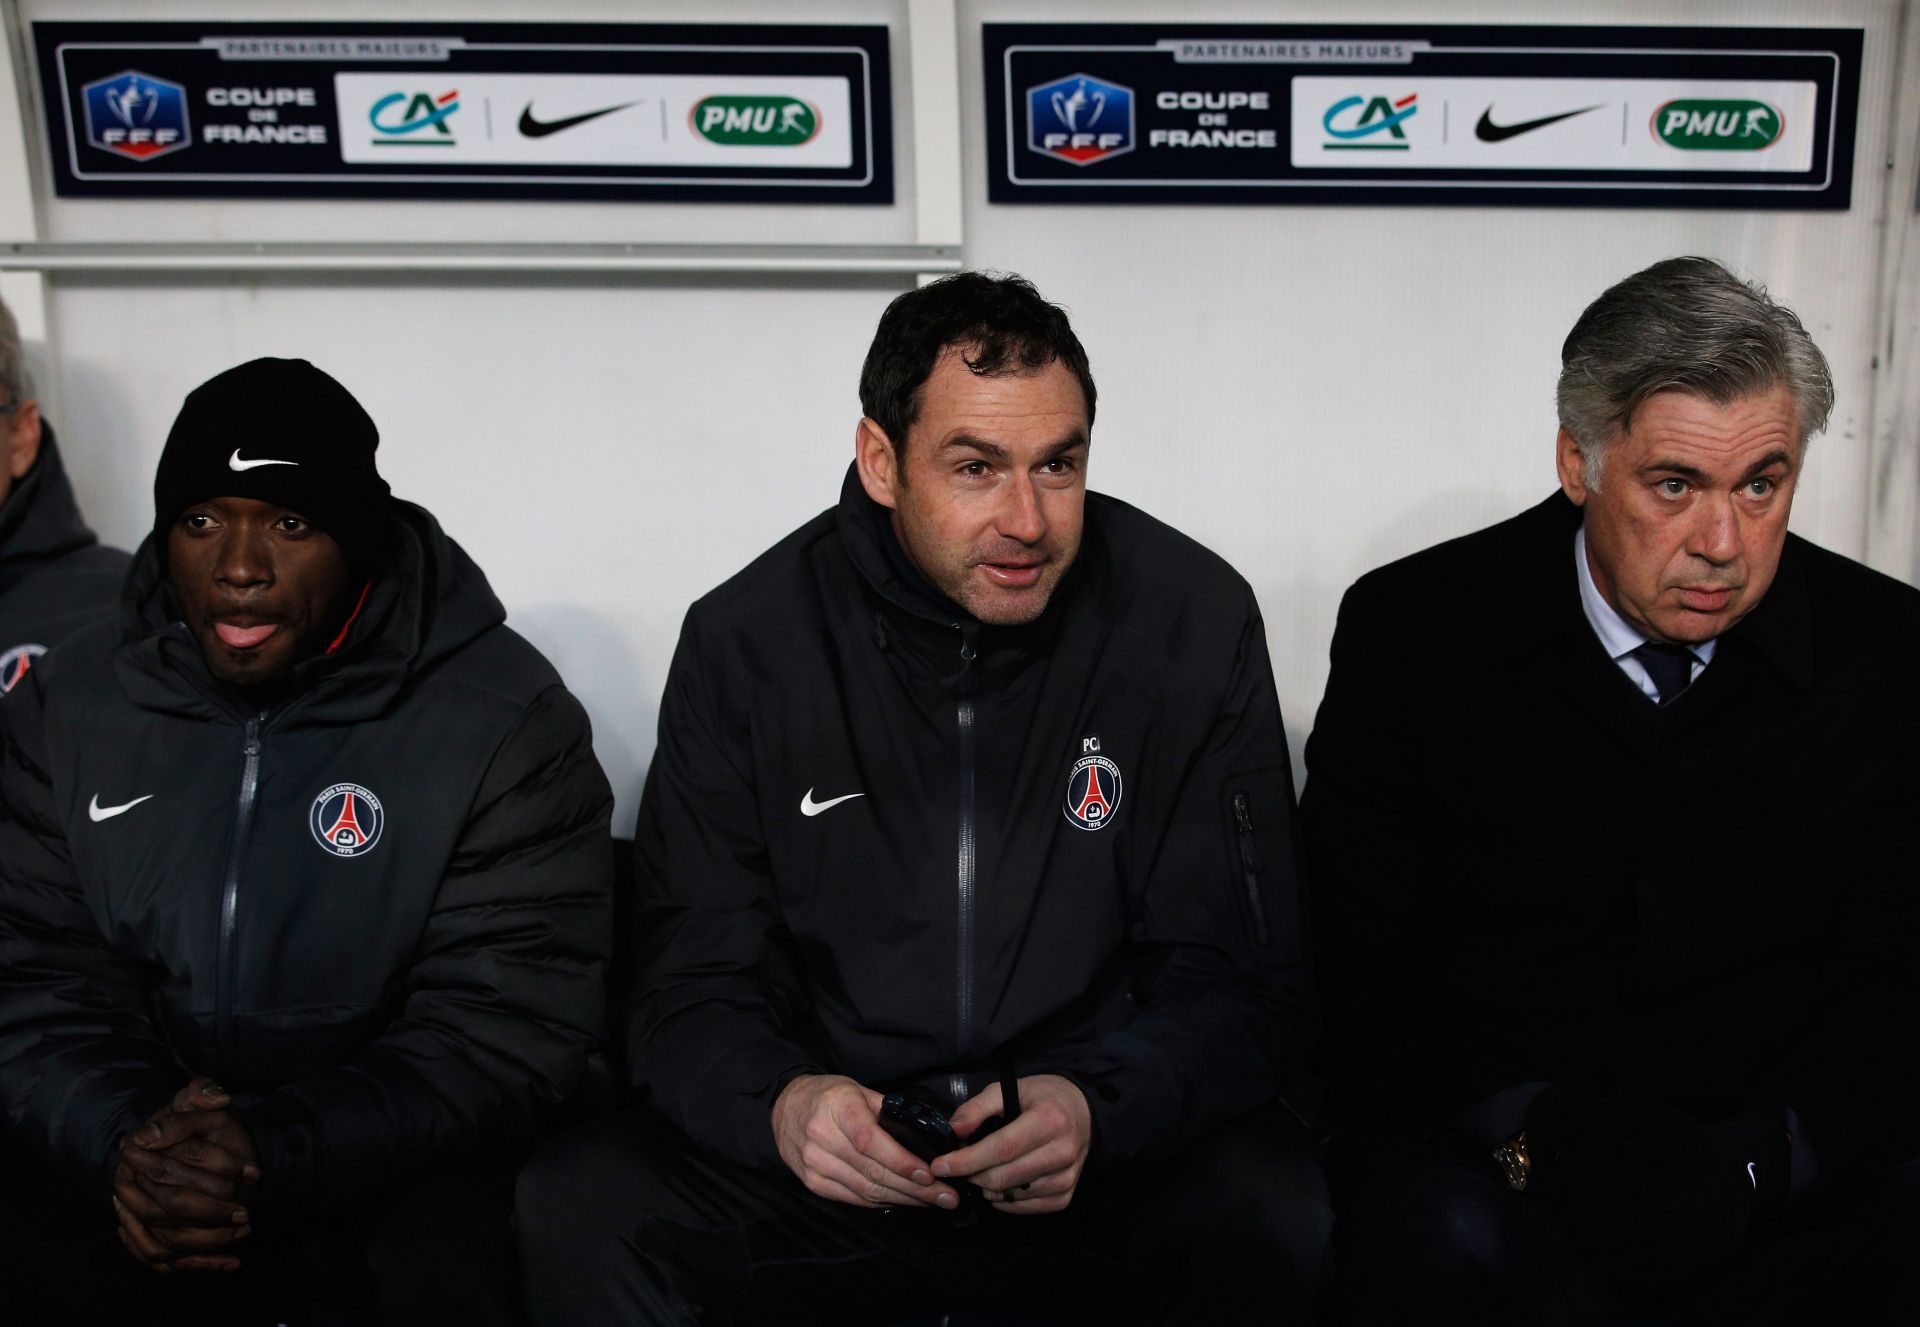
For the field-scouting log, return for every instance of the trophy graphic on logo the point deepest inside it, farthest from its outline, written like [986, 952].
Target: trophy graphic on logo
[132, 105]
[1068, 108]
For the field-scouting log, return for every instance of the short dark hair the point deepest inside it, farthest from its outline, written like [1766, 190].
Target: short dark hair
[1689, 325]
[1000, 324]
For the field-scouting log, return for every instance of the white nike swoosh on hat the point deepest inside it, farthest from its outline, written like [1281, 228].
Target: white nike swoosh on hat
[96, 812]
[809, 807]
[235, 463]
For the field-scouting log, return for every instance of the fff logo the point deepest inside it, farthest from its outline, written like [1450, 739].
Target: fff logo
[1080, 118]
[136, 115]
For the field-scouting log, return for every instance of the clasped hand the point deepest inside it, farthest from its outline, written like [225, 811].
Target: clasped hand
[184, 1181]
[828, 1130]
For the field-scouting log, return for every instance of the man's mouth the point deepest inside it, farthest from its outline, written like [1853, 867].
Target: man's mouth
[244, 633]
[1706, 599]
[1013, 575]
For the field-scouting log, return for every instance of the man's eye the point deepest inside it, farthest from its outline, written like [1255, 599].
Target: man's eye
[292, 524]
[197, 521]
[1760, 488]
[974, 469]
[1059, 466]
[1673, 488]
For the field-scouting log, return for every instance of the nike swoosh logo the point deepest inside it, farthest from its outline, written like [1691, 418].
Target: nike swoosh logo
[235, 463]
[533, 128]
[1489, 132]
[809, 807]
[96, 812]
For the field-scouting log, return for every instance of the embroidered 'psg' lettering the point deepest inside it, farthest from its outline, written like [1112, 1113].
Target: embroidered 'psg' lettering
[15, 663]
[346, 820]
[1093, 792]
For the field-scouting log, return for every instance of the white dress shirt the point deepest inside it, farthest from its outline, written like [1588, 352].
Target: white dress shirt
[1618, 636]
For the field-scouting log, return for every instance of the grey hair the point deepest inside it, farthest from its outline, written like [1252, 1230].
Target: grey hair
[13, 365]
[1689, 325]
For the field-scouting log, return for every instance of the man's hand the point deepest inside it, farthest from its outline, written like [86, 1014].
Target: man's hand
[828, 1130]
[1033, 1164]
[183, 1183]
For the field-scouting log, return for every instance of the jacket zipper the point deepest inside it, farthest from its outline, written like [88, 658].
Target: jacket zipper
[230, 900]
[966, 866]
[1250, 867]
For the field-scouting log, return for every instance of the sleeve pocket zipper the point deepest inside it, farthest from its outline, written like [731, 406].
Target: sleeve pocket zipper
[1250, 867]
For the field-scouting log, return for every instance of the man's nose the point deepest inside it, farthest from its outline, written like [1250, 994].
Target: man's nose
[1020, 515]
[1715, 535]
[244, 561]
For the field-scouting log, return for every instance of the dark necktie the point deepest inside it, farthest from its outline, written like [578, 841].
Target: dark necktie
[1670, 667]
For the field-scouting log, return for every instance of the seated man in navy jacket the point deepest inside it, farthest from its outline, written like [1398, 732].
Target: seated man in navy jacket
[54, 575]
[304, 886]
[971, 793]
[1607, 814]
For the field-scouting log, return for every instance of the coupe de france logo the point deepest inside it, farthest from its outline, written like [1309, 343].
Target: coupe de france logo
[1080, 118]
[346, 820]
[1093, 792]
[137, 115]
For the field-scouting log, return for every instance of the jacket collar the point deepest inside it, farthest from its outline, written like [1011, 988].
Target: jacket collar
[1539, 555]
[40, 521]
[905, 599]
[427, 603]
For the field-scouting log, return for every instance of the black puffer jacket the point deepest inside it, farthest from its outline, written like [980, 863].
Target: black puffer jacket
[884, 840]
[54, 576]
[376, 913]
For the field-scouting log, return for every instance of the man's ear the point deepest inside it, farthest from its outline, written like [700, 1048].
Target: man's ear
[24, 448]
[1572, 465]
[878, 464]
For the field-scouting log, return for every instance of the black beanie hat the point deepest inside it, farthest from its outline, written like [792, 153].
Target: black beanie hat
[279, 431]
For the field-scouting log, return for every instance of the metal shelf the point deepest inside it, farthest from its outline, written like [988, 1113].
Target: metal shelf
[505, 258]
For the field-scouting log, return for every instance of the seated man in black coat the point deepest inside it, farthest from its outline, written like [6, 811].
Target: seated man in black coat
[304, 882]
[1607, 811]
[54, 575]
[971, 793]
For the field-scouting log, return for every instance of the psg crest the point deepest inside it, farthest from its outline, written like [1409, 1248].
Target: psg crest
[14, 664]
[1093, 792]
[346, 820]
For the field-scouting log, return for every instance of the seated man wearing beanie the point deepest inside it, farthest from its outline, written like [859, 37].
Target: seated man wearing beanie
[304, 885]
[54, 575]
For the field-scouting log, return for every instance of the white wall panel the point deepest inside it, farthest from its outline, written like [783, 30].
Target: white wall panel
[1309, 390]
[1315, 390]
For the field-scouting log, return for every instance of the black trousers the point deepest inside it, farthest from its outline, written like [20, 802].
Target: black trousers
[436, 1247]
[628, 1222]
[1427, 1232]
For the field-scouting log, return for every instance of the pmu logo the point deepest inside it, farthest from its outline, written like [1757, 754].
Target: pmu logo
[15, 663]
[1377, 127]
[1080, 118]
[1093, 792]
[755, 121]
[1698, 125]
[419, 113]
[136, 115]
[346, 820]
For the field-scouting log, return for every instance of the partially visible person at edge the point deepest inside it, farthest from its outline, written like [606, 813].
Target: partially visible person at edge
[973, 792]
[1608, 809]
[54, 575]
[304, 896]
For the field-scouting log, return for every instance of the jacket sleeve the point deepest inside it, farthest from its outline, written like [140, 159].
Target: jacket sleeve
[1855, 1094]
[1225, 1013]
[1372, 851]
[80, 1060]
[504, 997]
[716, 984]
